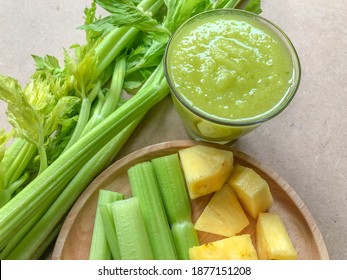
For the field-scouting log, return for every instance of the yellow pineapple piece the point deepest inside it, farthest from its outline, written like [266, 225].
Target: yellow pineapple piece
[239, 247]
[223, 215]
[205, 168]
[273, 241]
[251, 189]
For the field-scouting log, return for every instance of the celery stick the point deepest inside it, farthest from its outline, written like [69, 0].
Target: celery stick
[185, 237]
[144, 185]
[177, 203]
[7, 193]
[22, 159]
[110, 230]
[20, 234]
[112, 97]
[118, 39]
[11, 155]
[172, 187]
[99, 249]
[83, 116]
[131, 230]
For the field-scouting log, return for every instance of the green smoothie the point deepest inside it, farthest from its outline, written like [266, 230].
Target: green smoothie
[230, 66]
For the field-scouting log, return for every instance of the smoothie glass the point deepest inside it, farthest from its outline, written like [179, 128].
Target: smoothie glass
[229, 71]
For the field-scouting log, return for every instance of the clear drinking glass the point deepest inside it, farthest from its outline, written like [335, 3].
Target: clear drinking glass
[200, 123]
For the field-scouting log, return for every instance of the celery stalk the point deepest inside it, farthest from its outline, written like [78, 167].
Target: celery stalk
[110, 230]
[117, 40]
[83, 115]
[177, 203]
[144, 186]
[21, 232]
[112, 98]
[185, 237]
[131, 231]
[100, 249]
[23, 157]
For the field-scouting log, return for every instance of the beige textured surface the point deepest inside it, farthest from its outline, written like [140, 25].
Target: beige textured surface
[305, 144]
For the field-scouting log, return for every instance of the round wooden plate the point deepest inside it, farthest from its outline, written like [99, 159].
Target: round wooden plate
[74, 239]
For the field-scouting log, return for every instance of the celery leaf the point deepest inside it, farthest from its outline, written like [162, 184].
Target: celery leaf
[124, 13]
[253, 6]
[21, 115]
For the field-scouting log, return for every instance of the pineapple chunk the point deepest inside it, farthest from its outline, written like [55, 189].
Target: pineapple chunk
[206, 169]
[239, 247]
[251, 189]
[213, 130]
[273, 241]
[223, 215]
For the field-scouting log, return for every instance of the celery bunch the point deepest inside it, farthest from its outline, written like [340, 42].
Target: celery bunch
[70, 122]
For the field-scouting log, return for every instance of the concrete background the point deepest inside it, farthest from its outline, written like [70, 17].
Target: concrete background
[306, 144]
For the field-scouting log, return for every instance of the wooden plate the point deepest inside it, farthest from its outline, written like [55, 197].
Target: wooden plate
[74, 239]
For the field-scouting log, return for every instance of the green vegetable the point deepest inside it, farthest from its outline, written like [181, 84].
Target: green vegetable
[177, 203]
[101, 247]
[144, 186]
[132, 236]
[108, 227]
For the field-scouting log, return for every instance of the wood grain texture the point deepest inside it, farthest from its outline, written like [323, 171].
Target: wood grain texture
[74, 239]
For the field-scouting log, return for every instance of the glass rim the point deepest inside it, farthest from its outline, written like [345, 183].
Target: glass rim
[276, 110]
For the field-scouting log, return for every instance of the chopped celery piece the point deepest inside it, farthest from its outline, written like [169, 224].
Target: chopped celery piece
[110, 230]
[100, 249]
[176, 200]
[185, 237]
[144, 185]
[131, 230]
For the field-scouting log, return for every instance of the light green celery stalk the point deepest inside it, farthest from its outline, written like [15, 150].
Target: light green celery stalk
[144, 186]
[175, 197]
[24, 229]
[15, 187]
[99, 248]
[119, 38]
[24, 154]
[225, 4]
[4, 197]
[109, 228]
[87, 100]
[133, 239]
[108, 105]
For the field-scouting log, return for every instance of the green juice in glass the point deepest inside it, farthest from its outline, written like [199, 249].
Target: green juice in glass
[229, 71]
